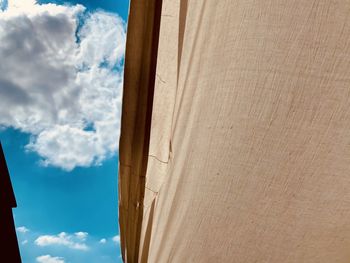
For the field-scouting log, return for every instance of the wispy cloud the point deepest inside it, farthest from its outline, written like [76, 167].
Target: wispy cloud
[103, 241]
[81, 235]
[116, 239]
[49, 259]
[22, 229]
[61, 79]
[62, 239]
[71, 247]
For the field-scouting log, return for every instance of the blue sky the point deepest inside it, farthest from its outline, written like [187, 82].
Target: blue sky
[59, 125]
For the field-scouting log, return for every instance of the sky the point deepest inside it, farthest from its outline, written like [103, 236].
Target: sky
[61, 76]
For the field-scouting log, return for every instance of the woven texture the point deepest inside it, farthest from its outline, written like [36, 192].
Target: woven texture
[249, 151]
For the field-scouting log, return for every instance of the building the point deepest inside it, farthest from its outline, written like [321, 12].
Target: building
[9, 251]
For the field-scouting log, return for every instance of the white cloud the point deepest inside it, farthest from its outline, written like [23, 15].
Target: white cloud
[116, 239]
[32, 8]
[22, 229]
[49, 259]
[60, 80]
[24, 242]
[62, 239]
[103, 241]
[81, 235]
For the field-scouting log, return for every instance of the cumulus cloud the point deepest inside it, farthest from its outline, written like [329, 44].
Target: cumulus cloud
[81, 235]
[22, 229]
[61, 79]
[116, 239]
[24, 242]
[103, 241]
[49, 259]
[62, 239]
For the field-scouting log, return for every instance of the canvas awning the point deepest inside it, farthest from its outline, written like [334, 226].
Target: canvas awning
[236, 147]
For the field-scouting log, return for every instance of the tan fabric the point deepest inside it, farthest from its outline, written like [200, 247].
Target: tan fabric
[249, 153]
[140, 61]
